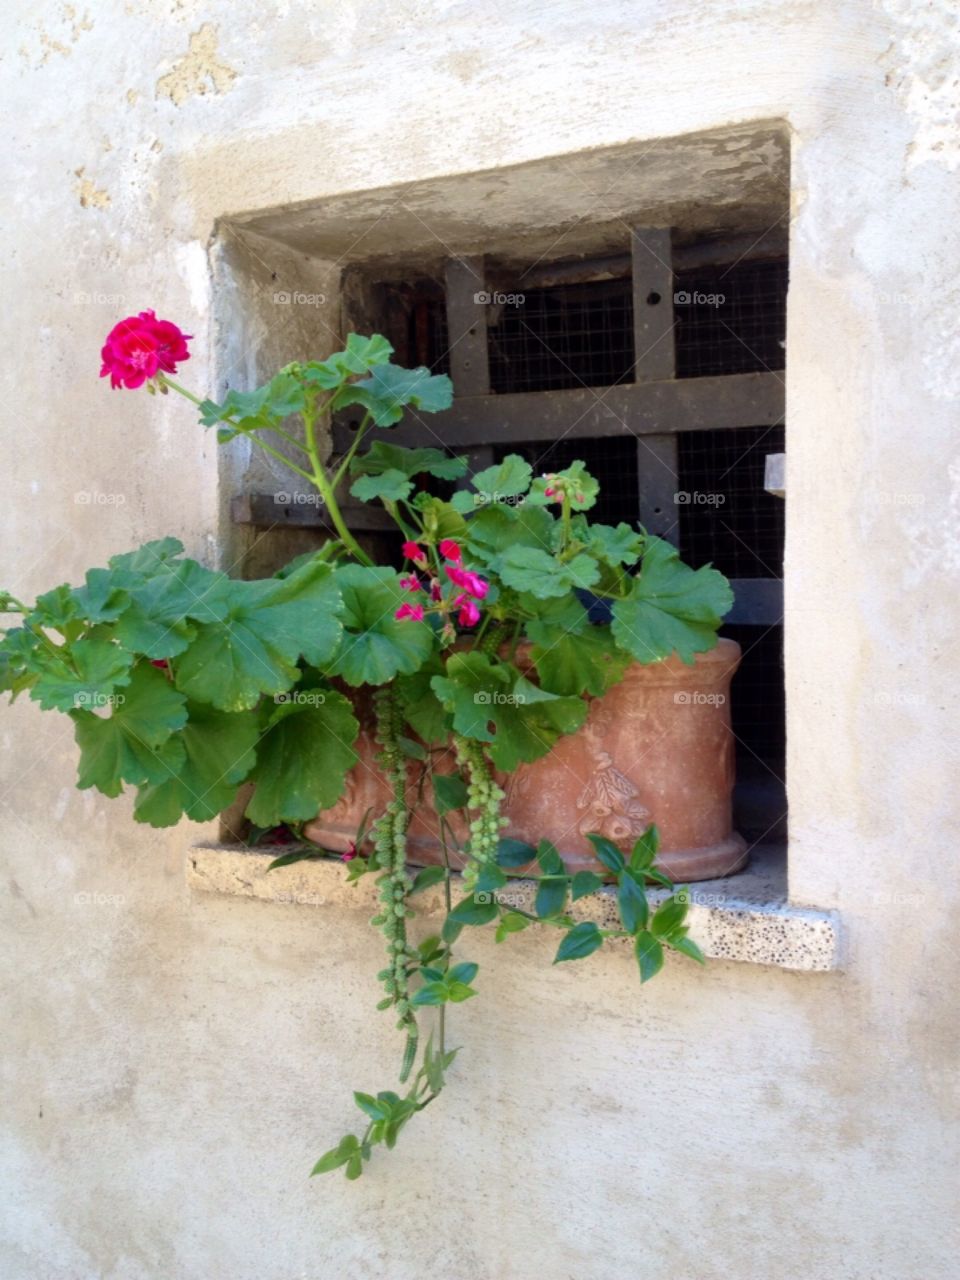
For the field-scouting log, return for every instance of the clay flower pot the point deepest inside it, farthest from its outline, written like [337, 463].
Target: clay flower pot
[657, 748]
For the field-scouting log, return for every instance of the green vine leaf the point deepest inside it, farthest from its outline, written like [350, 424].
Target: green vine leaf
[632, 902]
[584, 882]
[303, 758]
[671, 607]
[377, 646]
[649, 955]
[135, 744]
[581, 941]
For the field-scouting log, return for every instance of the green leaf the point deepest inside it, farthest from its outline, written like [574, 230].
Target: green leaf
[607, 852]
[300, 855]
[104, 597]
[135, 743]
[584, 882]
[218, 753]
[426, 877]
[497, 528]
[457, 992]
[492, 703]
[490, 878]
[58, 609]
[440, 519]
[370, 1106]
[614, 545]
[157, 621]
[632, 902]
[146, 560]
[412, 750]
[571, 663]
[645, 849]
[582, 940]
[671, 914]
[649, 955]
[543, 575]
[581, 485]
[551, 896]
[265, 406]
[354, 1167]
[421, 707]
[686, 946]
[88, 674]
[551, 864]
[449, 792]
[360, 355]
[471, 911]
[432, 993]
[267, 627]
[388, 486]
[671, 607]
[512, 922]
[388, 390]
[302, 760]
[514, 853]
[508, 479]
[382, 457]
[338, 1156]
[466, 971]
[377, 646]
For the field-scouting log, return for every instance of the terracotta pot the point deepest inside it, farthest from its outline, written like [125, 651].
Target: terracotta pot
[657, 748]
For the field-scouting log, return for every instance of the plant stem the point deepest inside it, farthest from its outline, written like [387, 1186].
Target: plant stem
[324, 487]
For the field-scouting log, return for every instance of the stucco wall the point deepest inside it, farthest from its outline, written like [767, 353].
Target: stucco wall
[173, 1065]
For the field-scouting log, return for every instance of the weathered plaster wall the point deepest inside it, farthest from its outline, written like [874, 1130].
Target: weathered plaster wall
[172, 1065]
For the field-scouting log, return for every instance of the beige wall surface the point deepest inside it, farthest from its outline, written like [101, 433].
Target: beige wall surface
[173, 1064]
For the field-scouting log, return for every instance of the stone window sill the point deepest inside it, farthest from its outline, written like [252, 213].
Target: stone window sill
[746, 917]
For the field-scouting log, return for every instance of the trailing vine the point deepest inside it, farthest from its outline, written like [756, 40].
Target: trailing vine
[390, 853]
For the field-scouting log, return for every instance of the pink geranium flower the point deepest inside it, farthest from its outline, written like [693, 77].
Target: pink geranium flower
[410, 582]
[472, 583]
[469, 614]
[413, 551]
[449, 549]
[413, 611]
[140, 347]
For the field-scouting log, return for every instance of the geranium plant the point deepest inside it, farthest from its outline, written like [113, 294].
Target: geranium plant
[186, 684]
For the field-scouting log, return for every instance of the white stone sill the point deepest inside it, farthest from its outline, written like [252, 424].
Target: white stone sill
[745, 917]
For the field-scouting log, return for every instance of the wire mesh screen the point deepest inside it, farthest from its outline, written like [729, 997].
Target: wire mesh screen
[730, 319]
[725, 515]
[569, 336]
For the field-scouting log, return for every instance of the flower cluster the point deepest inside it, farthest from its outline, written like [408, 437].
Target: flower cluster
[140, 347]
[559, 488]
[469, 587]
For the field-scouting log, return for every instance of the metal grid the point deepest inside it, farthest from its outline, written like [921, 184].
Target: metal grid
[569, 336]
[730, 319]
[725, 516]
